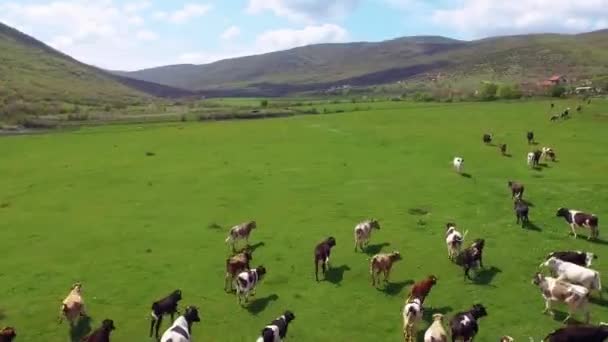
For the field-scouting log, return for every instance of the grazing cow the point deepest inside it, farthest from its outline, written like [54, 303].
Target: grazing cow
[487, 138]
[507, 339]
[458, 164]
[363, 232]
[579, 219]
[517, 189]
[521, 212]
[565, 113]
[166, 305]
[552, 105]
[240, 232]
[102, 334]
[412, 315]
[181, 330]
[554, 117]
[503, 149]
[555, 290]
[246, 283]
[7, 334]
[322, 252]
[235, 265]
[471, 257]
[579, 108]
[530, 137]
[575, 274]
[579, 333]
[382, 263]
[576, 257]
[72, 307]
[453, 240]
[436, 332]
[589, 102]
[464, 325]
[277, 329]
[422, 288]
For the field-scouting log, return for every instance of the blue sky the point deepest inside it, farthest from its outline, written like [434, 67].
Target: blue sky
[135, 34]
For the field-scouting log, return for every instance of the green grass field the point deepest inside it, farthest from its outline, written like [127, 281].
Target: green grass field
[90, 206]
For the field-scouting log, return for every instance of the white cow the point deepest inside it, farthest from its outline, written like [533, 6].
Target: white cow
[453, 240]
[574, 273]
[458, 164]
[530, 159]
[246, 282]
[363, 232]
[180, 330]
[436, 332]
[412, 315]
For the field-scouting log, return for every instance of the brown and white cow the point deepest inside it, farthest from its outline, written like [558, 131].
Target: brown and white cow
[548, 153]
[235, 265]
[72, 307]
[436, 332]
[382, 263]
[412, 315]
[240, 232]
[579, 219]
[554, 290]
[363, 232]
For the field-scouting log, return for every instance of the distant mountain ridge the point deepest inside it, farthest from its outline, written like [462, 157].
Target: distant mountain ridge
[523, 58]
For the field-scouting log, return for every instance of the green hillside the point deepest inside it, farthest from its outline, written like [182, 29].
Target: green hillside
[517, 58]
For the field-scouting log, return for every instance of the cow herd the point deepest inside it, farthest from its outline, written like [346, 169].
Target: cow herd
[571, 281]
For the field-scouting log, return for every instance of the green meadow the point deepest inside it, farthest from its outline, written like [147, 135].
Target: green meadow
[91, 206]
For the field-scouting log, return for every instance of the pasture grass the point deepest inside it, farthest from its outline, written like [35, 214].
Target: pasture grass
[94, 206]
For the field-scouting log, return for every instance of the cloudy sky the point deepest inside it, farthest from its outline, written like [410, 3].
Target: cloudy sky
[135, 34]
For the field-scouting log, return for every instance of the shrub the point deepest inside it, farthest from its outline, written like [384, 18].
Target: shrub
[488, 91]
[509, 92]
[264, 103]
[557, 91]
[78, 117]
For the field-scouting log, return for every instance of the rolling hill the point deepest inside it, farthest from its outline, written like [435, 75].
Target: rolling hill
[33, 73]
[513, 58]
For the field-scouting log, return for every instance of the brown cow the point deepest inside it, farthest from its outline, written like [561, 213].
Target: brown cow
[517, 189]
[240, 232]
[382, 263]
[7, 334]
[235, 265]
[422, 288]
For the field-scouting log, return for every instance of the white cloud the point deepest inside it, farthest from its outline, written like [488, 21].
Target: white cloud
[309, 11]
[101, 33]
[274, 40]
[481, 18]
[230, 33]
[184, 14]
[146, 35]
[289, 38]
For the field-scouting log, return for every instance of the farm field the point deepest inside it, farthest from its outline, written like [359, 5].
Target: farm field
[91, 206]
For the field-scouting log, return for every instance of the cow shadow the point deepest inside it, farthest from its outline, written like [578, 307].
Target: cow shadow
[599, 301]
[81, 329]
[466, 175]
[252, 248]
[375, 249]
[537, 168]
[528, 203]
[486, 275]
[259, 304]
[508, 155]
[559, 316]
[532, 226]
[393, 289]
[597, 241]
[335, 275]
[2, 315]
[545, 165]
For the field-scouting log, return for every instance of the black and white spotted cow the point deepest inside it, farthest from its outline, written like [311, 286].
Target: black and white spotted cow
[580, 258]
[464, 325]
[246, 282]
[579, 219]
[277, 329]
[487, 138]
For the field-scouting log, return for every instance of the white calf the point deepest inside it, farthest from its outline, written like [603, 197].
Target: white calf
[412, 314]
[574, 273]
[458, 164]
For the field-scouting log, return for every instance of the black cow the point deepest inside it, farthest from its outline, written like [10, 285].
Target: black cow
[167, 305]
[521, 212]
[579, 333]
[103, 333]
[530, 137]
[464, 324]
[503, 149]
[471, 257]
[277, 329]
[576, 257]
[322, 252]
[487, 138]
